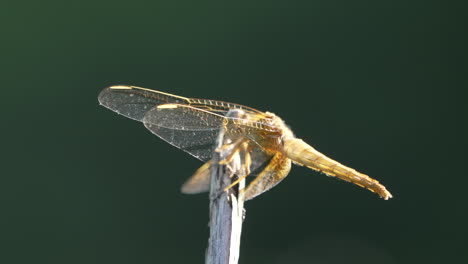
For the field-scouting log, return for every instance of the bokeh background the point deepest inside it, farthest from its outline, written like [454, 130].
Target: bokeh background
[378, 85]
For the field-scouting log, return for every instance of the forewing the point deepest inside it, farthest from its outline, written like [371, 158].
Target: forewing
[133, 102]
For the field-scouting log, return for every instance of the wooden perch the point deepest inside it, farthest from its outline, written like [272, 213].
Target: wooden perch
[226, 210]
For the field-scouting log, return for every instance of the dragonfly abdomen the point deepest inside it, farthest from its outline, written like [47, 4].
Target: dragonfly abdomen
[304, 154]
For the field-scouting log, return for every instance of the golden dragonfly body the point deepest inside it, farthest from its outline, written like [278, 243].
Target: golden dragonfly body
[266, 143]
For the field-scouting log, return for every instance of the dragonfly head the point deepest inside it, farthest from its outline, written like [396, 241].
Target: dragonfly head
[277, 122]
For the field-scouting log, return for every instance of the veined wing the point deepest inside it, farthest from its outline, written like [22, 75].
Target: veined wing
[133, 102]
[195, 130]
[187, 128]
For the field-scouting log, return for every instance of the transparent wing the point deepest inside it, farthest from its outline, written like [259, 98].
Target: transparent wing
[133, 102]
[187, 123]
[187, 128]
[195, 131]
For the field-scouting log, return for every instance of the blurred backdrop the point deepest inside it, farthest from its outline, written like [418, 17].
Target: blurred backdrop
[377, 85]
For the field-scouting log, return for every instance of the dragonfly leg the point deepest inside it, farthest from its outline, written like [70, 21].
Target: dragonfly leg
[245, 169]
[235, 182]
[247, 159]
[235, 148]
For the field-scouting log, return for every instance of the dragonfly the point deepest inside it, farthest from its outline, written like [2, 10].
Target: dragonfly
[267, 145]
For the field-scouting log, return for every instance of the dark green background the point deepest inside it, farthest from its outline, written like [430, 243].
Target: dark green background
[377, 85]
